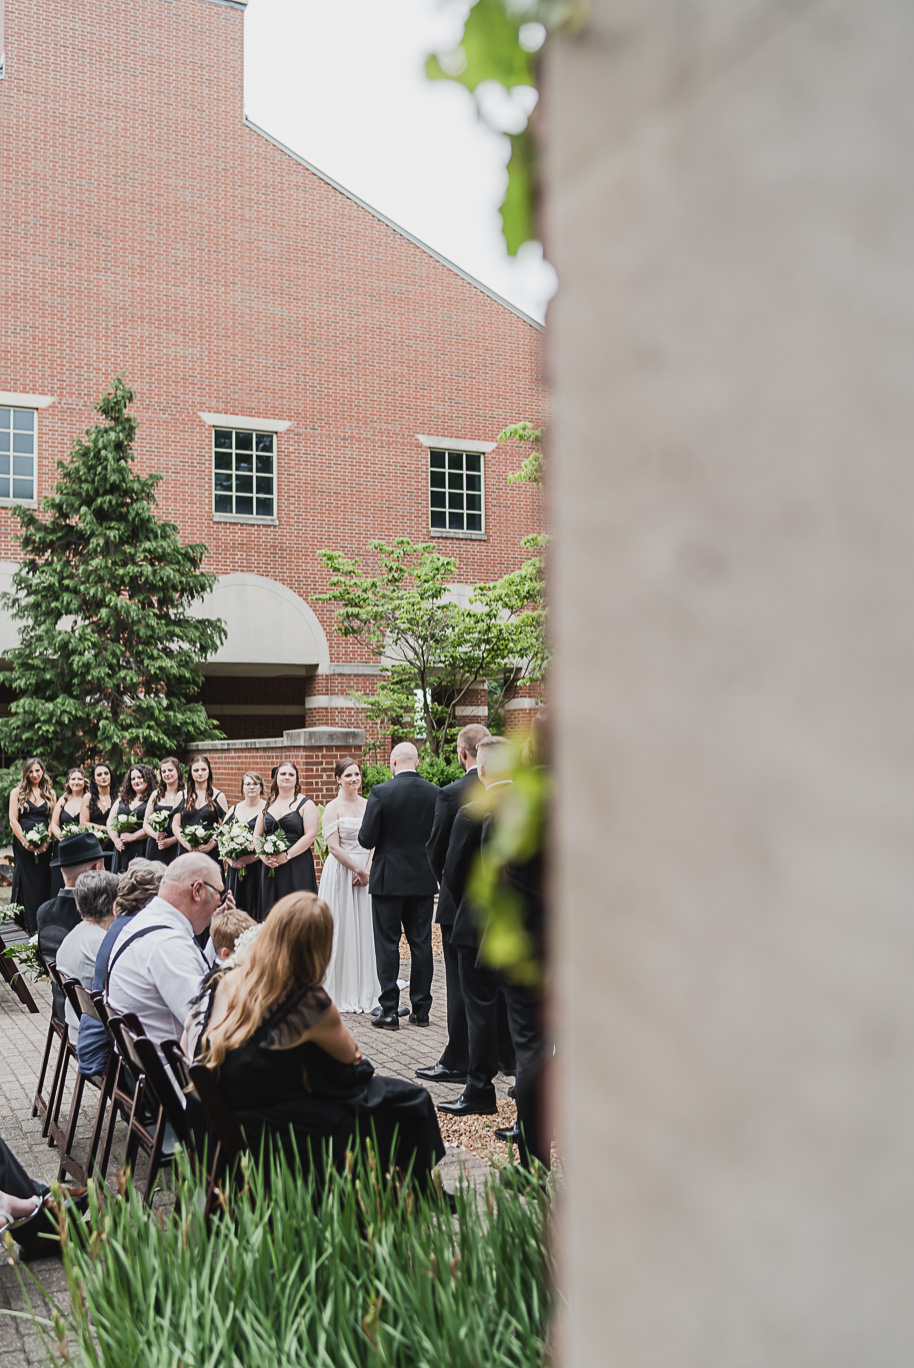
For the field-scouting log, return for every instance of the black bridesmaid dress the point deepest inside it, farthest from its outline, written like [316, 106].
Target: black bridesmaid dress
[245, 891]
[208, 816]
[170, 852]
[296, 875]
[132, 849]
[98, 817]
[31, 873]
[66, 818]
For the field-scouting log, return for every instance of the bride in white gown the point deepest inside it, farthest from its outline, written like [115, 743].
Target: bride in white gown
[352, 976]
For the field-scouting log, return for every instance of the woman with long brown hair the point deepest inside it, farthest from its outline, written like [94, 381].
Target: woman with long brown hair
[31, 805]
[204, 806]
[289, 811]
[136, 790]
[67, 812]
[242, 875]
[168, 797]
[288, 1068]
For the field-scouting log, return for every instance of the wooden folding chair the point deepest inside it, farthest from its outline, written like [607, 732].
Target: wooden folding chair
[83, 1003]
[49, 1106]
[151, 1085]
[15, 980]
[120, 1088]
[225, 1141]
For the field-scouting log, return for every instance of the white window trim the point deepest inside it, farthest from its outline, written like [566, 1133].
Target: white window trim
[455, 444]
[474, 449]
[24, 401]
[252, 518]
[32, 401]
[232, 420]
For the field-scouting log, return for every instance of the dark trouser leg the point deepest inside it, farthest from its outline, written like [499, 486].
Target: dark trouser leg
[524, 1014]
[13, 1177]
[506, 1057]
[386, 915]
[456, 1050]
[417, 927]
[480, 995]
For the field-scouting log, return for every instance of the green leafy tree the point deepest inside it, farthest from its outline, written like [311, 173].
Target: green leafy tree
[432, 649]
[109, 652]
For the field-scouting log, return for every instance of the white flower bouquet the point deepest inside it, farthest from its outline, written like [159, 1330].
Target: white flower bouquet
[36, 837]
[273, 844]
[76, 829]
[233, 840]
[160, 820]
[125, 822]
[196, 836]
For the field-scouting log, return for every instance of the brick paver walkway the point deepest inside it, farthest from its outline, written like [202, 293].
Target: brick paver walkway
[22, 1037]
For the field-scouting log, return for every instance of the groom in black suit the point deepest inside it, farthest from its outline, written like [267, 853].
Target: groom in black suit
[452, 1066]
[397, 825]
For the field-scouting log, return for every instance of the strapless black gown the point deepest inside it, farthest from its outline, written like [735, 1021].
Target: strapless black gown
[245, 891]
[296, 875]
[31, 876]
[170, 852]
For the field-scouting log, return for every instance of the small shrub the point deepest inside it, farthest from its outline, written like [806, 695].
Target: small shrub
[439, 771]
[362, 1270]
[372, 775]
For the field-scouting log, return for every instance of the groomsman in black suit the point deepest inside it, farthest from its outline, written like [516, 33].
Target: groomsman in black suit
[452, 1066]
[479, 983]
[397, 825]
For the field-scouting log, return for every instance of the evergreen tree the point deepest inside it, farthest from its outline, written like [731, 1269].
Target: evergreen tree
[109, 654]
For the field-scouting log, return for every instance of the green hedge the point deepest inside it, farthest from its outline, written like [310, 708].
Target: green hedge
[431, 767]
[362, 1271]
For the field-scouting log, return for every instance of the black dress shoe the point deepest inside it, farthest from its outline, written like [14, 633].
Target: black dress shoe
[468, 1106]
[418, 1020]
[402, 1011]
[510, 1134]
[386, 1021]
[439, 1074]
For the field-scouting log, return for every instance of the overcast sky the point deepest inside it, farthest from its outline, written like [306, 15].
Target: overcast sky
[343, 85]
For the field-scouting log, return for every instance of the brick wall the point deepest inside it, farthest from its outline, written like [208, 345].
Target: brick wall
[314, 751]
[148, 229]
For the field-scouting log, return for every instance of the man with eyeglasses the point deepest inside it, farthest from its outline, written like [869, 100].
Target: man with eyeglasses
[158, 968]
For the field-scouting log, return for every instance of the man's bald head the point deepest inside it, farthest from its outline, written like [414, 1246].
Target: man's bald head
[193, 884]
[189, 869]
[404, 756]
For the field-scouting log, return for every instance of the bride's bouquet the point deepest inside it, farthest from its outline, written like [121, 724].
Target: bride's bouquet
[76, 829]
[196, 836]
[160, 820]
[125, 822]
[36, 837]
[273, 844]
[233, 840]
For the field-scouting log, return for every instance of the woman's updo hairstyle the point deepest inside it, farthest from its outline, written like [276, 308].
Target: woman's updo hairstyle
[341, 766]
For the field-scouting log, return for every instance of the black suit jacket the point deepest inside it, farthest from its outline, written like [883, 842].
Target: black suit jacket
[450, 800]
[463, 850]
[397, 825]
[56, 918]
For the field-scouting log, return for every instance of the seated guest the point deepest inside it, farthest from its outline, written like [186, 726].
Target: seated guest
[75, 855]
[226, 929]
[95, 893]
[156, 969]
[287, 1065]
[27, 1209]
[136, 889]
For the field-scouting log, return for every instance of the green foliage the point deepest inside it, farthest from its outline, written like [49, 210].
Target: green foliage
[24, 956]
[109, 650]
[532, 470]
[496, 47]
[372, 775]
[437, 770]
[432, 649]
[518, 815]
[362, 1270]
[9, 780]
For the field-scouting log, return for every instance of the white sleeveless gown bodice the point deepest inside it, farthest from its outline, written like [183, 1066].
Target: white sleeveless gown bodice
[352, 977]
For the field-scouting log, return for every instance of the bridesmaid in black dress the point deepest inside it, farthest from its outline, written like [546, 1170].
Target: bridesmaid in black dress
[205, 806]
[136, 790]
[288, 808]
[168, 797]
[97, 806]
[246, 890]
[67, 812]
[31, 805]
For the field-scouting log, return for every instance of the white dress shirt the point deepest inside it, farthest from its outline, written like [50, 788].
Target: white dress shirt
[159, 975]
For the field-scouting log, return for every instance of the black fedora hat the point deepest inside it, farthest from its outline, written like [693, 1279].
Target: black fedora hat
[78, 849]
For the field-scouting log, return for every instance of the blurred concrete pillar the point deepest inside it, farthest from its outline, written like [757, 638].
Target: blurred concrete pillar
[730, 206]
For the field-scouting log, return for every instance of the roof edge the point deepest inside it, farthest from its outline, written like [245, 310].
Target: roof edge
[398, 228]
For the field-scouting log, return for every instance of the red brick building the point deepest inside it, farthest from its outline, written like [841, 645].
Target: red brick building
[299, 359]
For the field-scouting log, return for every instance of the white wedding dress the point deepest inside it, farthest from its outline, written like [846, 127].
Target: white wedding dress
[352, 976]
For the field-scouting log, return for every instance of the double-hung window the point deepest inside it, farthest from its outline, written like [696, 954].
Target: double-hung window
[456, 491]
[18, 450]
[244, 473]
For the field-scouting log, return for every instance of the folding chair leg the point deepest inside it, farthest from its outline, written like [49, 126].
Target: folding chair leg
[112, 1120]
[46, 1059]
[67, 1163]
[155, 1156]
[52, 1095]
[98, 1129]
[55, 1130]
